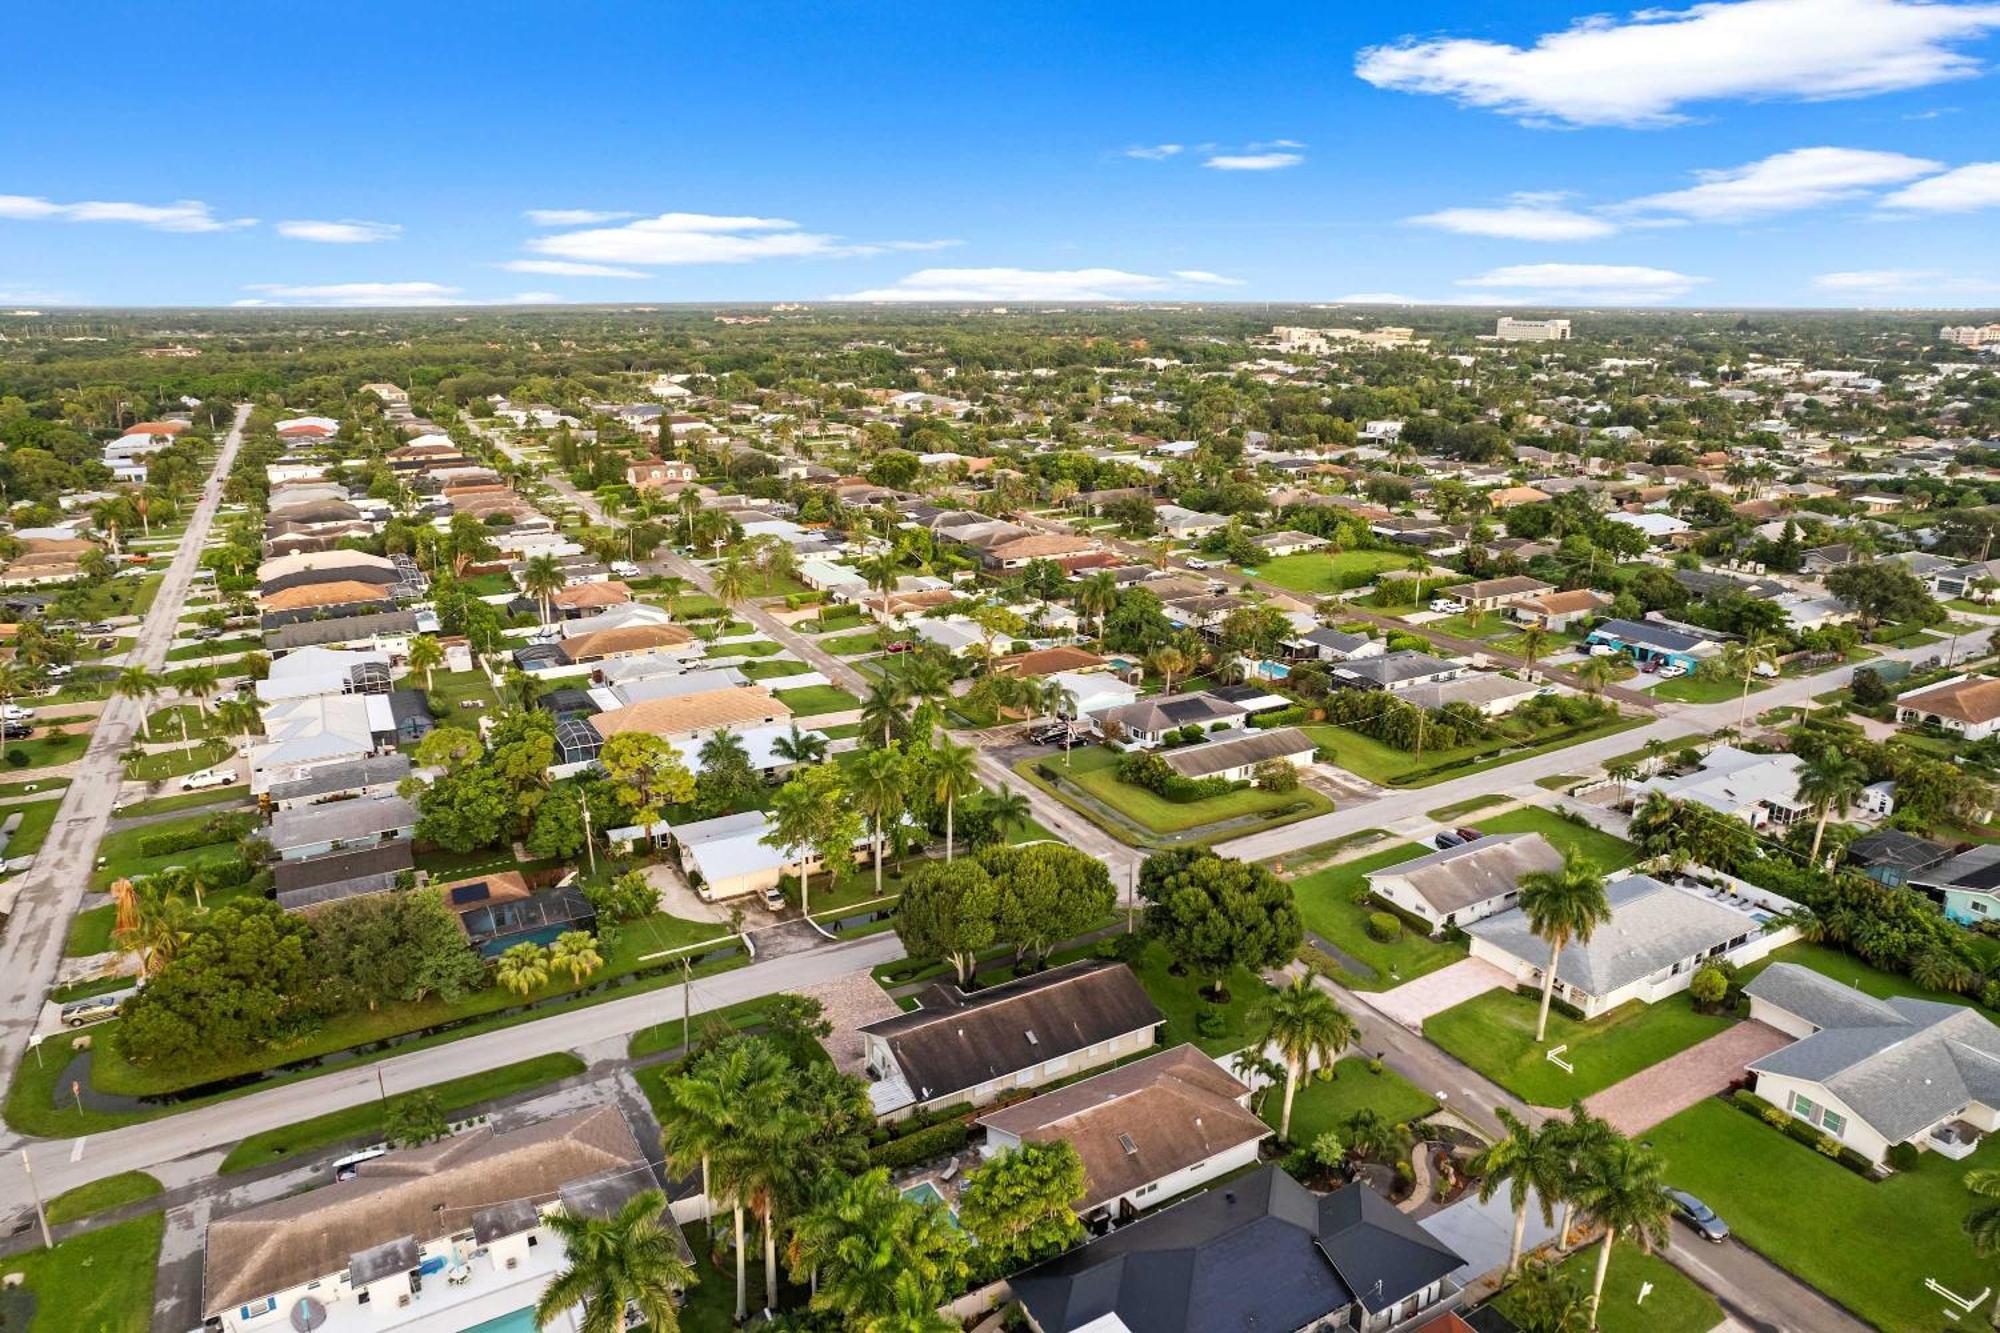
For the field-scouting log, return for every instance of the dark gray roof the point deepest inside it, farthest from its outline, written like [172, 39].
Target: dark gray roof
[342, 629]
[365, 817]
[334, 778]
[506, 1219]
[325, 879]
[1338, 640]
[1167, 712]
[1227, 752]
[384, 1260]
[1893, 847]
[1652, 926]
[959, 1040]
[1258, 1253]
[1648, 634]
[1393, 668]
[1976, 869]
[1474, 872]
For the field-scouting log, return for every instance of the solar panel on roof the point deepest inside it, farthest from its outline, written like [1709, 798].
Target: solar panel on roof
[471, 893]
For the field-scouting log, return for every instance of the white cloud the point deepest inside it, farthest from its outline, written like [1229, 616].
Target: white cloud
[345, 232]
[1205, 278]
[1016, 284]
[1528, 218]
[570, 268]
[572, 217]
[188, 215]
[702, 238]
[1377, 298]
[1643, 69]
[1254, 161]
[360, 294]
[1906, 282]
[532, 298]
[1783, 183]
[1605, 284]
[1158, 152]
[1962, 190]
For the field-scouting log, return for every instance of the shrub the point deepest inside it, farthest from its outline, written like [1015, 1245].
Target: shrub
[1384, 927]
[1277, 775]
[216, 828]
[1773, 1116]
[1828, 1147]
[1374, 1065]
[922, 1146]
[1709, 986]
[17, 757]
[1210, 1023]
[1904, 1157]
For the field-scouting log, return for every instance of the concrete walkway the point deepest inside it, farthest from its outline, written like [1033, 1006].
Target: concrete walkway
[1414, 1001]
[1678, 1082]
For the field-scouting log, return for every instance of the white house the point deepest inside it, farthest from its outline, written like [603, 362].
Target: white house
[1967, 705]
[1466, 883]
[1759, 789]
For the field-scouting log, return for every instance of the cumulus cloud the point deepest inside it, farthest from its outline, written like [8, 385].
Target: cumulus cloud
[1157, 152]
[188, 215]
[345, 232]
[1606, 284]
[570, 268]
[1643, 69]
[1526, 219]
[1784, 183]
[573, 217]
[1964, 189]
[704, 238]
[1908, 283]
[1273, 161]
[1205, 278]
[1016, 284]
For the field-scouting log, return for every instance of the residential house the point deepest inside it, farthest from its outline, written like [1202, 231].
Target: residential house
[1658, 937]
[1966, 705]
[727, 857]
[695, 716]
[1968, 884]
[317, 880]
[1289, 543]
[1147, 1132]
[1260, 1252]
[1759, 789]
[1466, 883]
[301, 831]
[1651, 641]
[495, 917]
[1187, 524]
[1493, 594]
[1557, 612]
[377, 776]
[1149, 722]
[1394, 671]
[1658, 529]
[1326, 644]
[657, 472]
[1872, 1073]
[972, 1047]
[1235, 756]
[1892, 857]
[1491, 693]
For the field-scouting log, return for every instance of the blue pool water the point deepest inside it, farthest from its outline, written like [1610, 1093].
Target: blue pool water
[1273, 670]
[514, 1321]
[924, 1192]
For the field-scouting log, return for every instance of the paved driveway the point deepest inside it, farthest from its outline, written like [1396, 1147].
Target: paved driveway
[1674, 1084]
[1414, 1001]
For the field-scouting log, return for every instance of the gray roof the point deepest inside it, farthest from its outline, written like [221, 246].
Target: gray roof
[340, 629]
[1652, 926]
[1976, 870]
[1234, 751]
[1166, 712]
[1338, 640]
[1901, 1064]
[335, 778]
[1893, 847]
[1474, 872]
[384, 1260]
[1649, 635]
[303, 825]
[1394, 668]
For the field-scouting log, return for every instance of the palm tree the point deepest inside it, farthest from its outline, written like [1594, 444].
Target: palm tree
[731, 584]
[426, 655]
[1058, 699]
[1746, 657]
[674, 587]
[883, 707]
[198, 681]
[523, 967]
[1168, 662]
[1624, 1192]
[162, 924]
[752, 1075]
[542, 579]
[877, 1252]
[237, 714]
[575, 952]
[878, 793]
[882, 575]
[1595, 674]
[1304, 1025]
[1009, 809]
[1574, 1144]
[1533, 639]
[1563, 905]
[1527, 1160]
[1982, 1224]
[800, 747]
[1830, 780]
[612, 1262]
[135, 682]
[954, 776]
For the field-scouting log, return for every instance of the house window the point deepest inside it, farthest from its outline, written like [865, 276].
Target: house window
[1833, 1123]
[1979, 906]
[1804, 1109]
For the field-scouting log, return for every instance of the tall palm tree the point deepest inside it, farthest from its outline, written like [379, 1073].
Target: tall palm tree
[1746, 657]
[1830, 780]
[162, 923]
[542, 580]
[238, 714]
[1982, 1224]
[800, 747]
[883, 707]
[877, 1252]
[426, 655]
[882, 575]
[135, 682]
[1624, 1192]
[1594, 673]
[1527, 1161]
[731, 584]
[674, 587]
[1533, 639]
[1304, 1025]
[611, 1262]
[878, 793]
[1574, 1144]
[1168, 662]
[752, 1075]
[954, 776]
[1563, 905]
[1008, 809]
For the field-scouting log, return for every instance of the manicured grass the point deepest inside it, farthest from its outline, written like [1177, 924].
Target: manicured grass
[37, 817]
[853, 645]
[166, 723]
[187, 800]
[1094, 770]
[1693, 689]
[745, 648]
[90, 932]
[1557, 781]
[812, 700]
[1323, 1105]
[775, 671]
[44, 751]
[1461, 627]
[98, 1282]
[1321, 572]
[449, 688]
[1676, 1303]
[1495, 1034]
[1868, 1244]
[1181, 1001]
[839, 731]
[100, 1195]
[179, 762]
[1608, 852]
[124, 858]
[368, 1121]
[1851, 971]
[242, 643]
[1466, 807]
[43, 787]
[1387, 766]
[1326, 902]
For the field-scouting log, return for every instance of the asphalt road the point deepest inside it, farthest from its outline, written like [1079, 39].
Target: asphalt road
[31, 949]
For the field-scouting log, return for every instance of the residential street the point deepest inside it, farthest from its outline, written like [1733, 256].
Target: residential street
[31, 948]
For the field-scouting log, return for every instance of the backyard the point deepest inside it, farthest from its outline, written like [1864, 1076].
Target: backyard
[178, 762]
[1494, 1033]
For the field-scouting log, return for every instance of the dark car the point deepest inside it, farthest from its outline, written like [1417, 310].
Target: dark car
[1469, 834]
[1448, 839]
[1698, 1215]
[16, 731]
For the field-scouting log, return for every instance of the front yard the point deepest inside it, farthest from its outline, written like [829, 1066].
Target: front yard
[1675, 1303]
[1387, 766]
[1494, 1033]
[1610, 853]
[1322, 1106]
[1868, 1244]
[1326, 902]
[1320, 572]
[98, 1282]
[812, 700]
[1095, 771]
[1697, 689]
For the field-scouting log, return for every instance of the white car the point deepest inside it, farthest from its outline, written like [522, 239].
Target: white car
[16, 713]
[1764, 669]
[1602, 650]
[625, 569]
[1447, 606]
[58, 671]
[208, 777]
[1670, 672]
[1196, 562]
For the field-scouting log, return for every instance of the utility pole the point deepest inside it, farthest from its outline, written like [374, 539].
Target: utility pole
[40, 1215]
[589, 848]
[687, 1004]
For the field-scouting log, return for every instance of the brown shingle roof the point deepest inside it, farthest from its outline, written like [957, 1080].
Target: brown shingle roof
[1564, 603]
[624, 641]
[1038, 545]
[675, 714]
[341, 592]
[1047, 661]
[1976, 700]
[580, 596]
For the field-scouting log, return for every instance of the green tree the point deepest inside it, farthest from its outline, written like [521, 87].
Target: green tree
[1560, 906]
[523, 967]
[1882, 590]
[1828, 781]
[1213, 914]
[878, 1253]
[949, 911]
[812, 816]
[1527, 1162]
[465, 808]
[628, 1259]
[557, 831]
[954, 777]
[883, 709]
[878, 784]
[426, 655]
[648, 775]
[416, 1118]
[1049, 893]
[1624, 1192]
[726, 781]
[542, 579]
[575, 952]
[135, 682]
[1020, 1206]
[1304, 1025]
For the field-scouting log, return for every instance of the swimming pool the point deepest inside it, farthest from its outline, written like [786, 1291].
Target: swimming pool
[925, 1191]
[514, 1321]
[1273, 670]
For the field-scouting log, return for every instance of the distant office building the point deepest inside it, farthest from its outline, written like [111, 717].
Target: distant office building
[1970, 335]
[1511, 330]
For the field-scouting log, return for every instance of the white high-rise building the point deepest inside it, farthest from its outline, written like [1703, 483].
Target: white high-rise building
[1513, 330]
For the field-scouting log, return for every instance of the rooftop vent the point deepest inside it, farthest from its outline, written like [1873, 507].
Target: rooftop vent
[1125, 1142]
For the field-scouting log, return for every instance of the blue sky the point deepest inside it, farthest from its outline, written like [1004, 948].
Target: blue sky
[1741, 152]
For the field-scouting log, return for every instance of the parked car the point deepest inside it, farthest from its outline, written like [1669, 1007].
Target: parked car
[1698, 1215]
[1196, 562]
[1447, 839]
[1764, 669]
[16, 731]
[96, 1009]
[1447, 605]
[1469, 834]
[625, 569]
[899, 646]
[16, 713]
[1602, 650]
[350, 1166]
[1648, 668]
[774, 898]
[208, 777]
[1672, 671]
[58, 670]
[208, 632]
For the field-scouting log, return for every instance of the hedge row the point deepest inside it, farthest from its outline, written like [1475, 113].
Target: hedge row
[921, 1146]
[204, 834]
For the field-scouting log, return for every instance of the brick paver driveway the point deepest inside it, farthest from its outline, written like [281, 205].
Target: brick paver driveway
[1673, 1085]
[1414, 1001]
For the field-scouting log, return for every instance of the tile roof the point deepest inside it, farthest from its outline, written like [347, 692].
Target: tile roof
[623, 640]
[340, 592]
[735, 706]
[1973, 701]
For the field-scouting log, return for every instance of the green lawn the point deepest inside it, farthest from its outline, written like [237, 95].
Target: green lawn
[90, 932]
[1460, 808]
[1387, 766]
[101, 1195]
[242, 643]
[1494, 1033]
[368, 1120]
[1608, 852]
[1868, 1244]
[1851, 971]
[43, 787]
[98, 1282]
[775, 671]
[812, 700]
[187, 800]
[449, 688]
[1694, 689]
[1676, 1303]
[37, 817]
[123, 856]
[1460, 626]
[1326, 901]
[1094, 770]
[839, 731]
[1321, 572]
[43, 751]
[177, 763]
[1180, 1000]
[853, 645]
[165, 723]
[1323, 1105]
